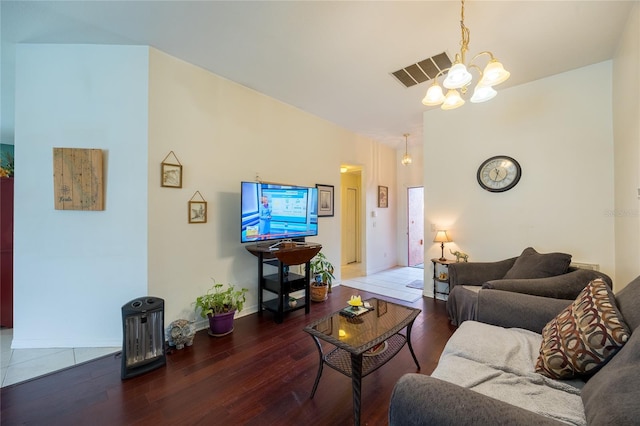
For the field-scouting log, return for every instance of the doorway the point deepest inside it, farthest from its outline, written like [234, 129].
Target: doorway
[351, 222]
[415, 226]
[351, 226]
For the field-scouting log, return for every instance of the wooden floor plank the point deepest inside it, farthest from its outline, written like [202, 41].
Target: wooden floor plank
[261, 374]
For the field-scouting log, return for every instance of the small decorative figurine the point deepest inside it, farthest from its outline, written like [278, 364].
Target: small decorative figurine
[180, 333]
[460, 255]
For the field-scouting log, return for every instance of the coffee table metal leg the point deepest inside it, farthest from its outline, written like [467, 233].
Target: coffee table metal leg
[411, 347]
[315, 385]
[356, 381]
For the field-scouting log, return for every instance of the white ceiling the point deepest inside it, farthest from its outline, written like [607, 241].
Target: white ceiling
[334, 59]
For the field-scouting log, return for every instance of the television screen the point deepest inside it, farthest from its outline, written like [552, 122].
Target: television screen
[274, 212]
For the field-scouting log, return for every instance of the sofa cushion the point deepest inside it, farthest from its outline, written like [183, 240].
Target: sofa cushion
[611, 396]
[498, 362]
[629, 303]
[584, 336]
[531, 264]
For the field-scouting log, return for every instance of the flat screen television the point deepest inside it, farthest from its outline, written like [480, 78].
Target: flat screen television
[277, 212]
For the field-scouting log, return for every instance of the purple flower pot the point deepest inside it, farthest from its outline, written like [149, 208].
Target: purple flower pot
[221, 324]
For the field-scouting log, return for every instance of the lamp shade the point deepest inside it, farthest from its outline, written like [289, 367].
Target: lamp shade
[457, 77]
[482, 94]
[434, 96]
[453, 100]
[494, 73]
[442, 237]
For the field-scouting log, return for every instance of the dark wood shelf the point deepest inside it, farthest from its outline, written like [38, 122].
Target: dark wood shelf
[444, 264]
[284, 282]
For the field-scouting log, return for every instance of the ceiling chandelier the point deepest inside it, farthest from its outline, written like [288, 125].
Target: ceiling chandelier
[406, 158]
[459, 77]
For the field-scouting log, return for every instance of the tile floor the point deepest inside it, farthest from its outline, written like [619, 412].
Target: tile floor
[391, 282]
[18, 365]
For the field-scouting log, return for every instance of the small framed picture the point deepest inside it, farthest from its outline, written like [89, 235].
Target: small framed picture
[325, 200]
[172, 175]
[383, 196]
[197, 212]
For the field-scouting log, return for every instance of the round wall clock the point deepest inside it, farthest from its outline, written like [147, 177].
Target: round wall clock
[499, 173]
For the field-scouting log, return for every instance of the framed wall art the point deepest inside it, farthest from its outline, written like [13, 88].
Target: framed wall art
[197, 209]
[383, 196]
[171, 172]
[325, 200]
[78, 179]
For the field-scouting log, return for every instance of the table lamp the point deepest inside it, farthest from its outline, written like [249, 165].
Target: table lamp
[442, 237]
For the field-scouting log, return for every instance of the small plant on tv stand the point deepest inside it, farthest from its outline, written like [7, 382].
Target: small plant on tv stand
[321, 273]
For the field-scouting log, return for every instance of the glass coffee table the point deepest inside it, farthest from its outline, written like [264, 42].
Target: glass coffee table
[363, 343]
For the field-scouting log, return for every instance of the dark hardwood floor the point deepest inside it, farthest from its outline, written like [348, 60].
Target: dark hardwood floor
[261, 374]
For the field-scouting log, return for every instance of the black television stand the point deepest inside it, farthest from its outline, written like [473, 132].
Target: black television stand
[280, 283]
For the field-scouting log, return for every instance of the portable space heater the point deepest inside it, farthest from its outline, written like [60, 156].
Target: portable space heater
[142, 336]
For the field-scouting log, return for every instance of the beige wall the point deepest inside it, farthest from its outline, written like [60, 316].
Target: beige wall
[563, 138]
[626, 120]
[224, 133]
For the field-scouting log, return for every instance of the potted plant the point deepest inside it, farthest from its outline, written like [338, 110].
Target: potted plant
[322, 277]
[220, 304]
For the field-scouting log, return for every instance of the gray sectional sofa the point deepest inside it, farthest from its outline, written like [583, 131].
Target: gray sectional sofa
[547, 275]
[486, 374]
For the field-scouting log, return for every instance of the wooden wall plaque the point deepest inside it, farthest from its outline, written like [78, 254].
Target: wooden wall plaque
[77, 179]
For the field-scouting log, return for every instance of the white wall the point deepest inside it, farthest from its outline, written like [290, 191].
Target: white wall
[561, 133]
[73, 270]
[626, 113]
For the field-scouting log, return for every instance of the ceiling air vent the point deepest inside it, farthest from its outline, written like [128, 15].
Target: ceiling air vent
[422, 71]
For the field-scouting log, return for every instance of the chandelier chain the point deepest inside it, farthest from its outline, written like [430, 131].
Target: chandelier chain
[466, 34]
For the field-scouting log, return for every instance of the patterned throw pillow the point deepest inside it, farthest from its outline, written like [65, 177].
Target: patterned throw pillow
[584, 336]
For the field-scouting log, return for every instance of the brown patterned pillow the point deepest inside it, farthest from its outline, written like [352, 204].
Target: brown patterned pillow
[584, 336]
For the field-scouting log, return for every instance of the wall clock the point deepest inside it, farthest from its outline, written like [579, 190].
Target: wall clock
[499, 173]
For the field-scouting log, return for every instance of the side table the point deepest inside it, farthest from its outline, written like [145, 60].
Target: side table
[441, 267]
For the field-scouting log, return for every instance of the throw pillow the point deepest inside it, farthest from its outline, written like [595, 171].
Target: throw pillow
[531, 264]
[584, 336]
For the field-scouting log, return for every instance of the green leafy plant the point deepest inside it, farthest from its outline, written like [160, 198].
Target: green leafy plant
[218, 300]
[322, 270]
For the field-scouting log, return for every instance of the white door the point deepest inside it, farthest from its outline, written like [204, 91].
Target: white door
[415, 220]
